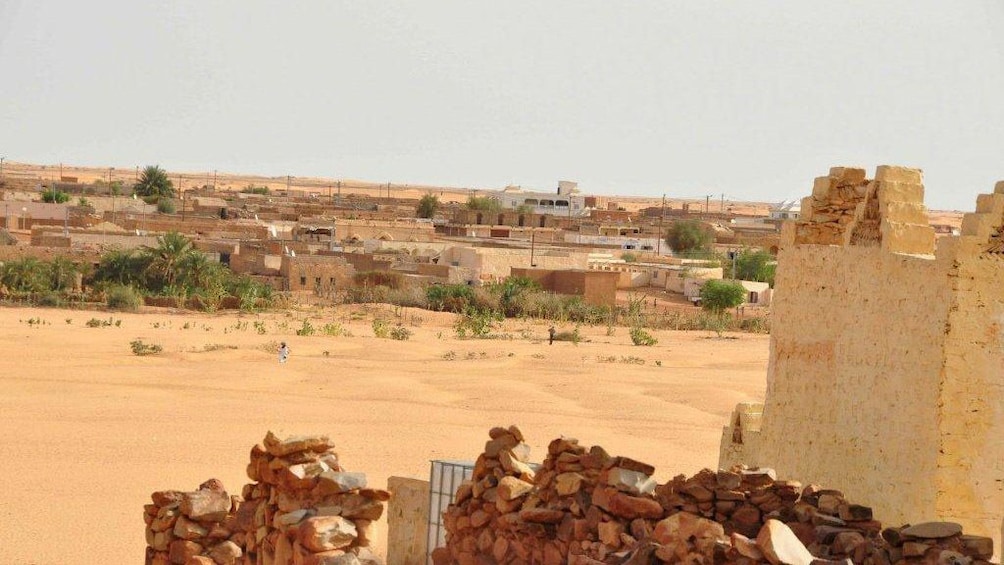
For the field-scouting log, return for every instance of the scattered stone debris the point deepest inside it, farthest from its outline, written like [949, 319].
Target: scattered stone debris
[302, 508]
[586, 507]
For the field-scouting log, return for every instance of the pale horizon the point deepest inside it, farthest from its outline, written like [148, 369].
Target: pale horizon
[690, 100]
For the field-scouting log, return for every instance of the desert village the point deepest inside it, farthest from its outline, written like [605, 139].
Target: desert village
[861, 433]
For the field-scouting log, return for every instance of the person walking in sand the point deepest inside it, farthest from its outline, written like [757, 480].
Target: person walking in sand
[283, 352]
[550, 334]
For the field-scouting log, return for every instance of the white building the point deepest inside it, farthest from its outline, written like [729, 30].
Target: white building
[787, 210]
[565, 202]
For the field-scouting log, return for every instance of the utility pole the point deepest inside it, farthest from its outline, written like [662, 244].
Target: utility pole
[1, 167]
[214, 180]
[707, 203]
[182, 191]
[723, 202]
[662, 216]
[287, 186]
[532, 234]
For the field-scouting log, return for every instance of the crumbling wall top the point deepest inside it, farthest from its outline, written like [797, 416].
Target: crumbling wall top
[846, 208]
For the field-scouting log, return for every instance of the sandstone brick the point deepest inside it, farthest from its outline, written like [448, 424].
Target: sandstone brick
[889, 173]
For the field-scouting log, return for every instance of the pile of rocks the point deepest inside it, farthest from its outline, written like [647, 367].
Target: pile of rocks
[193, 528]
[586, 507]
[834, 205]
[935, 542]
[847, 209]
[304, 508]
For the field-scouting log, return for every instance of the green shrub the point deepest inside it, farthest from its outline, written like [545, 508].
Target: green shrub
[573, 336]
[120, 297]
[400, 333]
[719, 296]
[474, 323]
[381, 327]
[450, 297]
[50, 299]
[55, 196]
[306, 329]
[140, 348]
[165, 205]
[334, 330]
[642, 337]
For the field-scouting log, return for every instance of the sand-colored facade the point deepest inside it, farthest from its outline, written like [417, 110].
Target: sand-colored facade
[886, 372]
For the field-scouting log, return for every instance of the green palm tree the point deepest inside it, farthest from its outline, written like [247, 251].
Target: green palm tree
[167, 259]
[153, 183]
[123, 267]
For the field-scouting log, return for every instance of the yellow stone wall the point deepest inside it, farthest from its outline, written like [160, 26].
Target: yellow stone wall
[886, 372]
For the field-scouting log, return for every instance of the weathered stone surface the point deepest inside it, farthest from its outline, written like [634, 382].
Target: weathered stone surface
[541, 515]
[333, 482]
[181, 550]
[282, 447]
[629, 481]
[511, 488]
[206, 505]
[932, 530]
[324, 533]
[226, 553]
[780, 545]
[567, 484]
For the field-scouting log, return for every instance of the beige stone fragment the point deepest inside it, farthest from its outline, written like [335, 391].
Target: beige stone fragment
[781, 546]
[905, 212]
[510, 488]
[900, 192]
[914, 239]
[324, 533]
[899, 174]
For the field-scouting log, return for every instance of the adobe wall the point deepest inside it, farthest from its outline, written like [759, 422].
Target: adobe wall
[886, 372]
[855, 367]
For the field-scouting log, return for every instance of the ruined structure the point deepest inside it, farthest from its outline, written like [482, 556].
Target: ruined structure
[885, 376]
[583, 506]
[302, 508]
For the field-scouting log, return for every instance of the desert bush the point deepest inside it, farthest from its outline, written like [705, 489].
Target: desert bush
[400, 333]
[306, 329]
[381, 327]
[141, 348]
[642, 337]
[474, 323]
[573, 336]
[411, 297]
[165, 206]
[333, 329]
[450, 297]
[121, 297]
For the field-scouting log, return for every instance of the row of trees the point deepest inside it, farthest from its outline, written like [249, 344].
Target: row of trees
[171, 268]
[690, 238]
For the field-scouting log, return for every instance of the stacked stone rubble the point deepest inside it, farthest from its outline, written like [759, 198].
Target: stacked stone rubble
[191, 528]
[304, 508]
[585, 507]
[848, 209]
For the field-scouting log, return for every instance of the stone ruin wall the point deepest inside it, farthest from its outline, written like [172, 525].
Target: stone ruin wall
[301, 509]
[886, 373]
[583, 506]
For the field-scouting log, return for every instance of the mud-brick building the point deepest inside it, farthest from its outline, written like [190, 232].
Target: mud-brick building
[886, 374]
[595, 287]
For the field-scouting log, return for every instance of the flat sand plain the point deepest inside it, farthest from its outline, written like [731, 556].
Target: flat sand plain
[89, 430]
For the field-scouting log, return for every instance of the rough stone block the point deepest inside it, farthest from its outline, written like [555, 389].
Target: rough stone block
[889, 173]
[821, 188]
[893, 191]
[999, 187]
[898, 237]
[850, 175]
[978, 225]
[905, 212]
[992, 204]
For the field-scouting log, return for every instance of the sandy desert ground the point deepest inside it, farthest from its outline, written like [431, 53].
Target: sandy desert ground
[89, 429]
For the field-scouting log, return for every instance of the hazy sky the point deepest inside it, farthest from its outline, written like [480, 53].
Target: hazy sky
[750, 99]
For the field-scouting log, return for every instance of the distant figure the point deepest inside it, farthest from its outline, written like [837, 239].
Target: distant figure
[550, 333]
[283, 352]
